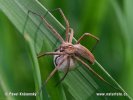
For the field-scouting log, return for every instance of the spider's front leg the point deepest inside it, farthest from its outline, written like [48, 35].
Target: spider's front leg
[51, 28]
[90, 35]
[71, 35]
[66, 22]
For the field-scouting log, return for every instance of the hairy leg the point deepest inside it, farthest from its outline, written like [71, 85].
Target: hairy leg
[48, 25]
[90, 35]
[51, 74]
[66, 22]
[100, 77]
[71, 35]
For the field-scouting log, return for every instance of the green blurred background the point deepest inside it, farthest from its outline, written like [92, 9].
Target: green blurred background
[110, 20]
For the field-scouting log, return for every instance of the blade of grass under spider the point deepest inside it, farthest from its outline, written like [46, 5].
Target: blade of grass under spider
[75, 79]
[35, 68]
[99, 65]
[4, 87]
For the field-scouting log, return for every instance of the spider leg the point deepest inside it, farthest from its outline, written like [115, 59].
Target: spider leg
[71, 35]
[67, 70]
[51, 74]
[66, 22]
[88, 34]
[96, 74]
[50, 53]
[48, 25]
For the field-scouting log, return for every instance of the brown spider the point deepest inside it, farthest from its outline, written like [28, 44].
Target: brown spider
[67, 53]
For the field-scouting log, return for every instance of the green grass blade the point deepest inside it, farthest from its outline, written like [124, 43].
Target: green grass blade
[4, 87]
[35, 68]
[126, 22]
[99, 65]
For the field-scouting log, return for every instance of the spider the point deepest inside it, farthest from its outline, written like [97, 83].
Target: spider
[67, 54]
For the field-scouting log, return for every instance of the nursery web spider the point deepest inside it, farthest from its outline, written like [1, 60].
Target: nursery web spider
[67, 53]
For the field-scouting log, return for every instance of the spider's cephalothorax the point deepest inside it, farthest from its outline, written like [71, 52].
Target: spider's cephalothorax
[69, 50]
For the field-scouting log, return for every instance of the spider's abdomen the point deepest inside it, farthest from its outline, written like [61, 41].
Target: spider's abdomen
[64, 66]
[84, 52]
